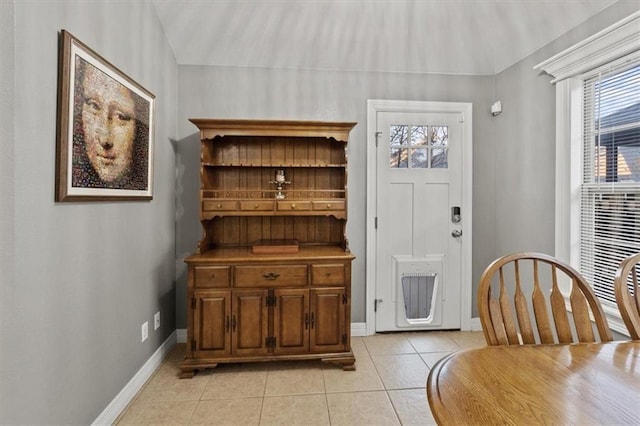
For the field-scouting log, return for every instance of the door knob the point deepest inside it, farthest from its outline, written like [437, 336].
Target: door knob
[456, 233]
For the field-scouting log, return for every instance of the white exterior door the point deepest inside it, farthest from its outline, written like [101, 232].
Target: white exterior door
[419, 222]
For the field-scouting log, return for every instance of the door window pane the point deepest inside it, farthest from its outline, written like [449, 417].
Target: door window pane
[440, 142]
[440, 135]
[419, 135]
[398, 135]
[439, 159]
[419, 159]
[398, 158]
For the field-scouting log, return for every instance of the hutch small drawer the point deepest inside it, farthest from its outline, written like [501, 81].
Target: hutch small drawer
[216, 205]
[257, 205]
[212, 276]
[328, 205]
[294, 205]
[327, 274]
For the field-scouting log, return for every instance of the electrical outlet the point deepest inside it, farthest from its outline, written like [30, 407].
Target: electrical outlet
[156, 320]
[145, 330]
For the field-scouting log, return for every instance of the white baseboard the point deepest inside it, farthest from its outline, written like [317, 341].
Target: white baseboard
[126, 395]
[358, 328]
[475, 324]
[181, 334]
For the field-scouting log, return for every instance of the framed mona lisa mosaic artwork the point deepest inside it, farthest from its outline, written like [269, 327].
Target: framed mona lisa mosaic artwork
[105, 129]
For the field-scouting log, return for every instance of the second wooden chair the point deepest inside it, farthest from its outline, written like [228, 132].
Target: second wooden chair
[502, 290]
[629, 304]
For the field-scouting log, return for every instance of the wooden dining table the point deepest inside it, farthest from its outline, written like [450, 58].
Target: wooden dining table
[579, 384]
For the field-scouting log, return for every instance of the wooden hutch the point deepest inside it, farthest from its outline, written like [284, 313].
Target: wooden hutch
[271, 278]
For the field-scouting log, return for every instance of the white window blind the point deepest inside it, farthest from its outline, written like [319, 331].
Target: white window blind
[610, 193]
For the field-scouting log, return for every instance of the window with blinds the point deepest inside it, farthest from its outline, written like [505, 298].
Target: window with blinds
[610, 198]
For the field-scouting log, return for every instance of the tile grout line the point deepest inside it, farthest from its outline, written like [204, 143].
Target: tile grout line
[264, 394]
[326, 394]
[384, 386]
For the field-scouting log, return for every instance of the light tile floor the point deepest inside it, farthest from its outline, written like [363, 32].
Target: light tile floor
[387, 388]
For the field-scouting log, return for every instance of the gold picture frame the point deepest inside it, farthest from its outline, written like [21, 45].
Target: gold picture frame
[105, 128]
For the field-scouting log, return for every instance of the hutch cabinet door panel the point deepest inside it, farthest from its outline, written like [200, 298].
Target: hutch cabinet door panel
[211, 323]
[250, 322]
[291, 321]
[328, 319]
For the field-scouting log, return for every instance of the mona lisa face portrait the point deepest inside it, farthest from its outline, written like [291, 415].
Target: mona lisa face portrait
[108, 124]
[111, 132]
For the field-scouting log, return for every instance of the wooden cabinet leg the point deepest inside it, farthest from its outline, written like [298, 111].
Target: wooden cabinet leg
[187, 373]
[347, 363]
[349, 366]
[189, 370]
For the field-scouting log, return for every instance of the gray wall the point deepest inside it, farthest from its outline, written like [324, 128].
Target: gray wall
[524, 144]
[226, 92]
[78, 279]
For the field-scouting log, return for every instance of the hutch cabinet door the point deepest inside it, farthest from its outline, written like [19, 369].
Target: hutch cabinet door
[328, 309]
[211, 318]
[250, 322]
[291, 321]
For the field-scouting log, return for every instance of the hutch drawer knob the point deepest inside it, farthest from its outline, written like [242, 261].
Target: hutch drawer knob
[328, 205]
[255, 206]
[271, 275]
[219, 205]
[212, 276]
[293, 206]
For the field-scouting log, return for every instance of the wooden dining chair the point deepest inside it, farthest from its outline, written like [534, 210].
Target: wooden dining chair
[503, 289]
[629, 304]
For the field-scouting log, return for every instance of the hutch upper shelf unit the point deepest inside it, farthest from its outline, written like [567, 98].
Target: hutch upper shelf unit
[271, 277]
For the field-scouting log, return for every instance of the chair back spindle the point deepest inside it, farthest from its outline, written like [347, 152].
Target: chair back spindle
[580, 313]
[522, 312]
[560, 317]
[506, 316]
[540, 307]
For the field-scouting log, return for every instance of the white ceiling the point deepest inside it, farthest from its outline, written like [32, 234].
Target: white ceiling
[479, 37]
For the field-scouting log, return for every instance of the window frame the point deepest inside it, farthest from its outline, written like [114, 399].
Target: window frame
[609, 47]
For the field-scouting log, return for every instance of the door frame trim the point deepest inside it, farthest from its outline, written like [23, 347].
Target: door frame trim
[465, 108]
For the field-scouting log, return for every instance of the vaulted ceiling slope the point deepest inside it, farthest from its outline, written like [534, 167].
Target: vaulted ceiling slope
[477, 37]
